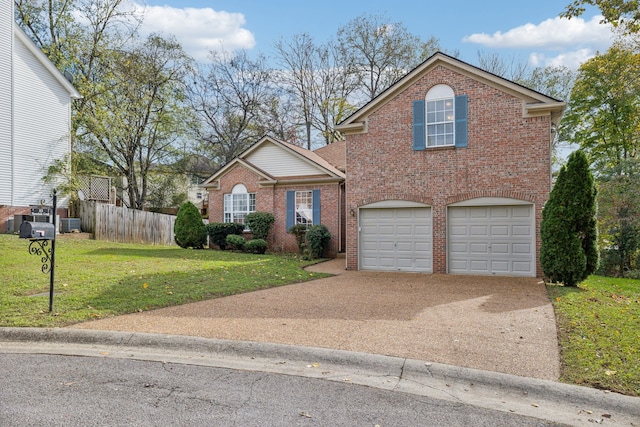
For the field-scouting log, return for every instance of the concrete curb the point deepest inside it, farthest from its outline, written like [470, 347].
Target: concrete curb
[550, 400]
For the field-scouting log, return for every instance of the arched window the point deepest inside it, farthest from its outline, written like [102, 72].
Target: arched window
[440, 119]
[440, 116]
[238, 204]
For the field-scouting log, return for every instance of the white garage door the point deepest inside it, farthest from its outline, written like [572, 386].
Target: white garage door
[396, 239]
[496, 240]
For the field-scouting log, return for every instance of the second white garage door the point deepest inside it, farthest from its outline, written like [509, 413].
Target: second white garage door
[491, 240]
[396, 239]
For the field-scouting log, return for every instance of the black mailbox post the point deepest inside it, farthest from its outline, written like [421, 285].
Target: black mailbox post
[42, 236]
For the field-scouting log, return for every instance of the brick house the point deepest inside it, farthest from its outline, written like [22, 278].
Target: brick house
[448, 171]
[298, 186]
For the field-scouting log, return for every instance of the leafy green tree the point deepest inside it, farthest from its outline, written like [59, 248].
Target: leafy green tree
[619, 222]
[603, 115]
[189, 230]
[140, 116]
[569, 229]
[625, 13]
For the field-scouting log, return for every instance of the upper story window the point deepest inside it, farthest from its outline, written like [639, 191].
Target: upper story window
[238, 204]
[440, 118]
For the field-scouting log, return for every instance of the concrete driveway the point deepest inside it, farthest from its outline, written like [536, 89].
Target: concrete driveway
[500, 324]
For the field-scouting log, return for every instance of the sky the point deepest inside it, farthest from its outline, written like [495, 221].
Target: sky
[518, 31]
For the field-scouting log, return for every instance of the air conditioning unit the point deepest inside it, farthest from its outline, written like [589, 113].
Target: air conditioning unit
[68, 225]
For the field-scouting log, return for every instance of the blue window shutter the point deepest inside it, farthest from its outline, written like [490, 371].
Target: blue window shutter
[291, 209]
[316, 206]
[461, 121]
[418, 125]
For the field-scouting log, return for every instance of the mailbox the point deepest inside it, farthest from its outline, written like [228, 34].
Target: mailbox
[37, 230]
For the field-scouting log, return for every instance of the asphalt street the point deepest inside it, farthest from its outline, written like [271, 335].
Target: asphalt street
[57, 390]
[78, 377]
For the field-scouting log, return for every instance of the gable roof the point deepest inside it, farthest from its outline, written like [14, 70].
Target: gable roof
[534, 103]
[305, 165]
[44, 60]
[334, 153]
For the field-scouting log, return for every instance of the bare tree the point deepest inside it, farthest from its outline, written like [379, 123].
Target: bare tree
[230, 96]
[378, 51]
[511, 68]
[297, 57]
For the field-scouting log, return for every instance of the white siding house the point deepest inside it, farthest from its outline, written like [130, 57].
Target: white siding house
[35, 119]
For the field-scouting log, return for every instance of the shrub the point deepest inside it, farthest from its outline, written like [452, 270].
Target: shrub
[568, 230]
[218, 232]
[260, 224]
[189, 230]
[318, 238]
[300, 232]
[256, 246]
[235, 242]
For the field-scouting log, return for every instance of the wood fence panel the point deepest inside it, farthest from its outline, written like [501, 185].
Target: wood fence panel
[124, 225]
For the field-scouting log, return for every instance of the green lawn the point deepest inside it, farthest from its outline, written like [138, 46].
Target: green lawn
[599, 332]
[598, 322]
[96, 279]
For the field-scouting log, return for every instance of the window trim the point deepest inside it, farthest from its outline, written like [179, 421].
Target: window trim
[298, 214]
[235, 198]
[461, 131]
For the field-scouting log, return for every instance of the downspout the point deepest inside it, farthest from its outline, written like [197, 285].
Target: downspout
[339, 217]
[12, 111]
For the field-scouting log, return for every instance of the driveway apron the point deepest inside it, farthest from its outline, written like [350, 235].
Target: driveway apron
[500, 324]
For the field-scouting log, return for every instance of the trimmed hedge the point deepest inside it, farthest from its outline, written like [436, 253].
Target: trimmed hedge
[235, 242]
[260, 224]
[256, 246]
[218, 232]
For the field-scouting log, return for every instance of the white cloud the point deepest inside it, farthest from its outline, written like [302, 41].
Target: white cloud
[555, 34]
[571, 59]
[568, 42]
[199, 30]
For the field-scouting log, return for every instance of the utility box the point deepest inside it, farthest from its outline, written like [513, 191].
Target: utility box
[37, 230]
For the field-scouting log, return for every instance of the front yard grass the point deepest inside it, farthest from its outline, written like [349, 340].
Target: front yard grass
[599, 333]
[97, 279]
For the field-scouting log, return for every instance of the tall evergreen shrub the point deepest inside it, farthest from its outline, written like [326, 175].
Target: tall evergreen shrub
[189, 230]
[569, 229]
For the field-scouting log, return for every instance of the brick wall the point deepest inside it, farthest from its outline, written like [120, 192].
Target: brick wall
[273, 199]
[507, 156]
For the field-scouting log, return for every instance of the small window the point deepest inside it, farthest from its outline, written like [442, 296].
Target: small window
[238, 204]
[198, 196]
[440, 116]
[304, 207]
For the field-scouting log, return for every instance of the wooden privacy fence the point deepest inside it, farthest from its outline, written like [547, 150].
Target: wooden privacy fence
[124, 225]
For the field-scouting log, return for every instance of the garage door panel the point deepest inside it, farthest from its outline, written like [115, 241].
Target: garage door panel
[500, 248]
[500, 266]
[521, 249]
[499, 230]
[478, 248]
[478, 213]
[491, 240]
[478, 230]
[402, 235]
[521, 212]
[521, 230]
